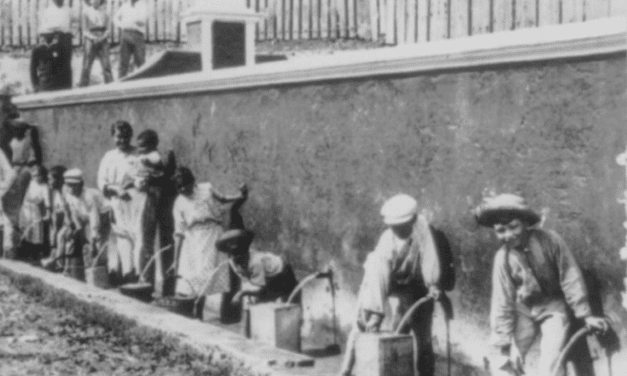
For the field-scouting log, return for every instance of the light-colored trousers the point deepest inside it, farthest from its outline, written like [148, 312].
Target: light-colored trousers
[553, 329]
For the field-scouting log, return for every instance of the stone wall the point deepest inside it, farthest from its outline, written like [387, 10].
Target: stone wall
[321, 158]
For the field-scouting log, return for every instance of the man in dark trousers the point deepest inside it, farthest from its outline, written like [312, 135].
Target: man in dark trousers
[55, 62]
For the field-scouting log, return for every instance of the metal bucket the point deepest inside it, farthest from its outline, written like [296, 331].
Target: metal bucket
[183, 305]
[140, 291]
[97, 276]
[75, 269]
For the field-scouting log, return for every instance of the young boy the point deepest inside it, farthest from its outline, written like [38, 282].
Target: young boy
[149, 164]
[265, 276]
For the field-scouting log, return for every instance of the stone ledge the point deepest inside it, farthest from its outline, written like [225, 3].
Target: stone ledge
[247, 357]
[575, 40]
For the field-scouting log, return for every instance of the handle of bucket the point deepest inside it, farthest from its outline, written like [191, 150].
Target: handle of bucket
[29, 227]
[101, 252]
[151, 260]
[410, 312]
[302, 284]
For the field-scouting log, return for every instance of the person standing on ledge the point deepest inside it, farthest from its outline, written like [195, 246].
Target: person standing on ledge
[56, 25]
[131, 18]
[536, 287]
[96, 31]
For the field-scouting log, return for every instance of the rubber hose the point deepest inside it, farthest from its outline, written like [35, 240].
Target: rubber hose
[569, 345]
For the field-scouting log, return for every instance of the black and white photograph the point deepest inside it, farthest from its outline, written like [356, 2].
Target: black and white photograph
[313, 187]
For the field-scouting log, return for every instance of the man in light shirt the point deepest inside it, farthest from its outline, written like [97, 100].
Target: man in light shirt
[96, 31]
[56, 22]
[131, 18]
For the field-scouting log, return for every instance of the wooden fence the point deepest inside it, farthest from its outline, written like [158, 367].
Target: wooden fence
[391, 21]
[285, 19]
[418, 21]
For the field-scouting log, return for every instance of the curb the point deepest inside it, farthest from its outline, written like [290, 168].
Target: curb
[228, 351]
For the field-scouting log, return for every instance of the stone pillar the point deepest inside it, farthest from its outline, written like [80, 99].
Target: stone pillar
[223, 32]
[622, 160]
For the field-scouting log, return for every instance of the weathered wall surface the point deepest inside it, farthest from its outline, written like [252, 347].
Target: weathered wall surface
[321, 159]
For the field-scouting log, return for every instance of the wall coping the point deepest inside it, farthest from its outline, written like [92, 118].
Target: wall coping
[597, 37]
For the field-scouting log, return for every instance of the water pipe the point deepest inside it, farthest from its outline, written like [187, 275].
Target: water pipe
[328, 274]
[569, 345]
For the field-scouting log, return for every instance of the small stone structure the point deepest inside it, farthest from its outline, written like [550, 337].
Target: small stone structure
[224, 33]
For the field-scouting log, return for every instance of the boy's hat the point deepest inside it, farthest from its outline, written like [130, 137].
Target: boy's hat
[506, 205]
[399, 209]
[235, 241]
[73, 175]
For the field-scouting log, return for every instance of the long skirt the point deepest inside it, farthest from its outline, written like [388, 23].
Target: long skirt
[133, 232]
[11, 206]
[198, 261]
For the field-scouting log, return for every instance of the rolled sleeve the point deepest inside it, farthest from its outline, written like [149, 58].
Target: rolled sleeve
[503, 305]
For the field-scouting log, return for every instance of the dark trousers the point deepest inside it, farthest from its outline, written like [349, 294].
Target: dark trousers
[131, 43]
[94, 50]
[65, 50]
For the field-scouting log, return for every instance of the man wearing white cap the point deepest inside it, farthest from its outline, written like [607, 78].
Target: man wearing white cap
[404, 266]
[83, 226]
[535, 283]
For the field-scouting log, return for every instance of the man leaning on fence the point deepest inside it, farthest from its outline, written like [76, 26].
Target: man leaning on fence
[131, 18]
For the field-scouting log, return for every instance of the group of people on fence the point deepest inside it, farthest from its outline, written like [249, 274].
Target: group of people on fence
[51, 60]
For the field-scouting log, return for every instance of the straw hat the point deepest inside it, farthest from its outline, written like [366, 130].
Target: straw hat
[399, 209]
[508, 205]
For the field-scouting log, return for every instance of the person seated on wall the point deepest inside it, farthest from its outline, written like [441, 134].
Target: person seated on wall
[537, 286]
[84, 223]
[265, 277]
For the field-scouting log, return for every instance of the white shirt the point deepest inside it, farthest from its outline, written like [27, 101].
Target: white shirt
[116, 168]
[54, 18]
[132, 17]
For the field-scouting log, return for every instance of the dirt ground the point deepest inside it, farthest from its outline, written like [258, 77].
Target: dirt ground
[38, 340]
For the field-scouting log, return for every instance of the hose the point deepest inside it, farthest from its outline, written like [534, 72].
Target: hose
[410, 312]
[569, 345]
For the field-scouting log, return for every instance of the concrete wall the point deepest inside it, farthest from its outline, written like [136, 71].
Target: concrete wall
[321, 159]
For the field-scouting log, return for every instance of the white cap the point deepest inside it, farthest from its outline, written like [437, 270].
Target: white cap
[399, 209]
[73, 175]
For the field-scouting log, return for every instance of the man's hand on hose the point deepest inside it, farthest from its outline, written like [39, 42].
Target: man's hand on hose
[597, 324]
[435, 292]
[374, 322]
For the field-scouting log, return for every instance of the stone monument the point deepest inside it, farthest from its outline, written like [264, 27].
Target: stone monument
[223, 31]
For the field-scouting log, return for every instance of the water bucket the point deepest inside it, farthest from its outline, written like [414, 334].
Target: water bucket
[183, 305]
[74, 269]
[142, 290]
[98, 275]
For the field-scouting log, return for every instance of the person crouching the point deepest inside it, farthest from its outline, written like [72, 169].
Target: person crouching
[265, 277]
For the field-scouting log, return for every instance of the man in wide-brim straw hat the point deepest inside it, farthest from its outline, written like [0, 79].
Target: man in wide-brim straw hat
[405, 266]
[537, 287]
